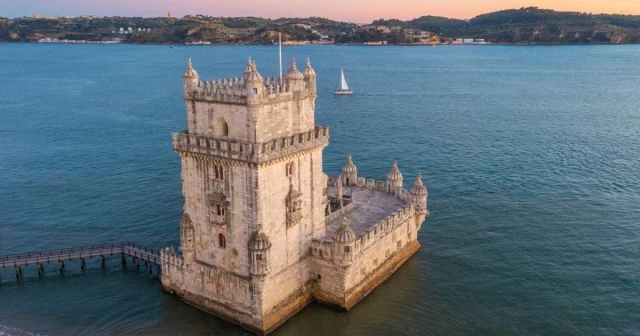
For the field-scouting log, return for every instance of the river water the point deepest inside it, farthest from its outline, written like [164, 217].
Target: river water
[531, 155]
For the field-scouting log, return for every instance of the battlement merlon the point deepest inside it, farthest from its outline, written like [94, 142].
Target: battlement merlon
[251, 88]
[255, 153]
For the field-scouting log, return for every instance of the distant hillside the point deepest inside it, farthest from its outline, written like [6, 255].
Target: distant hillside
[525, 25]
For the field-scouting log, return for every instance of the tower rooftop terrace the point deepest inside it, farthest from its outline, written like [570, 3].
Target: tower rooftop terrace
[369, 208]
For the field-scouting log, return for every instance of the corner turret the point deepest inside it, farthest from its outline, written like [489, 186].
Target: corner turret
[310, 78]
[190, 78]
[253, 82]
[187, 238]
[343, 244]
[394, 179]
[419, 192]
[295, 77]
[260, 248]
[349, 172]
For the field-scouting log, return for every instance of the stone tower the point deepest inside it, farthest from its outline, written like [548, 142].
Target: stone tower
[253, 188]
[263, 231]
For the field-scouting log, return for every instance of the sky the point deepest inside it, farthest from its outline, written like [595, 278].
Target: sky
[360, 11]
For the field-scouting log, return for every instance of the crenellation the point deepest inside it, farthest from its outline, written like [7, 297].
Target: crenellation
[264, 230]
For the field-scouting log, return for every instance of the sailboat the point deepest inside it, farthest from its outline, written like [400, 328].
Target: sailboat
[343, 88]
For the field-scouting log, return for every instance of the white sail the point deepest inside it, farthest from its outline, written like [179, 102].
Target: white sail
[343, 82]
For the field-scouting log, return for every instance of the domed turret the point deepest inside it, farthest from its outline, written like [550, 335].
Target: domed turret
[259, 247]
[251, 72]
[308, 70]
[260, 241]
[310, 78]
[344, 234]
[349, 172]
[187, 238]
[293, 72]
[419, 193]
[295, 77]
[190, 73]
[418, 188]
[343, 245]
[190, 79]
[253, 82]
[394, 179]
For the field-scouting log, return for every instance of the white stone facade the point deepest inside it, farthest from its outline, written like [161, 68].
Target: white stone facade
[259, 235]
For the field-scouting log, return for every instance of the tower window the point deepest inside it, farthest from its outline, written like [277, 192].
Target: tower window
[222, 241]
[255, 90]
[259, 257]
[347, 249]
[225, 129]
[218, 172]
[290, 169]
[220, 127]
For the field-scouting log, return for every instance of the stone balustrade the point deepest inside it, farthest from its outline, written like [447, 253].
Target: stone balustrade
[251, 152]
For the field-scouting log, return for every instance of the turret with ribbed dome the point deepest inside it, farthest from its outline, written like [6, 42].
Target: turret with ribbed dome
[259, 247]
[344, 234]
[394, 179]
[310, 78]
[349, 172]
[343, 244]
[420, 194]
[253, 82]
[295, 77]
[190, 78]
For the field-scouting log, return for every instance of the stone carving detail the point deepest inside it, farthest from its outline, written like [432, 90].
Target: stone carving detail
[218, 206]
[294, 206]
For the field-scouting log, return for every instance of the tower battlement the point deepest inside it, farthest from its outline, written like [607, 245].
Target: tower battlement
[250, 108]
[251, 152]
[251, 88]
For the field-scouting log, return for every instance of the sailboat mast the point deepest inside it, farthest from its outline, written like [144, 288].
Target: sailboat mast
[280, 54]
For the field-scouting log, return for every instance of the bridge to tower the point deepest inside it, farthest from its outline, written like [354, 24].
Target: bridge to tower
[138, 253]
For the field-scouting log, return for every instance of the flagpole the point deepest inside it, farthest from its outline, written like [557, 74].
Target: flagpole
[280, 53]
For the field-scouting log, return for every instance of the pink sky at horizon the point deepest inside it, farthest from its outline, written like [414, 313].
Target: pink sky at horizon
[343, 10]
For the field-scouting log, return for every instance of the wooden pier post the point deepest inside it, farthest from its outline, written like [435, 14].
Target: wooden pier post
[102, 264]
[40, 270]
[61, 264]
[124, 260]
[18, 272]
[82, 264]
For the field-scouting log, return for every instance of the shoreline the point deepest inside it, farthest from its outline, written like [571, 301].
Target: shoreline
[324, 44]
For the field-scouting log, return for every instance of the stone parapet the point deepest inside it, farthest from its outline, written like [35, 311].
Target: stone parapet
[384, 227]
[234, 91]
[340, 212]
[251, 152]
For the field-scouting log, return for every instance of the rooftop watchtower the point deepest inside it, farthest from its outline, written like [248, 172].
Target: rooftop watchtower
[251, 108]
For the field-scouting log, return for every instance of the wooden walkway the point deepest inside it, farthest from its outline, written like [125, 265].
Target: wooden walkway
[137, 252]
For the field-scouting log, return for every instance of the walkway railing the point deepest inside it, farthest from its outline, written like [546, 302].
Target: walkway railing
[125, 249]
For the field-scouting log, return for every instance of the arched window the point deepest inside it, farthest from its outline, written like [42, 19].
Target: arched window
[290, 168]
[220, 127]
[221, 173]
[222, 241]
[219, 210]
[216, 172]
[348, 181]
[225, 128]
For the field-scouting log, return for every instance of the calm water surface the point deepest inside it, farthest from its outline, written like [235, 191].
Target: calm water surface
[531, 156]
